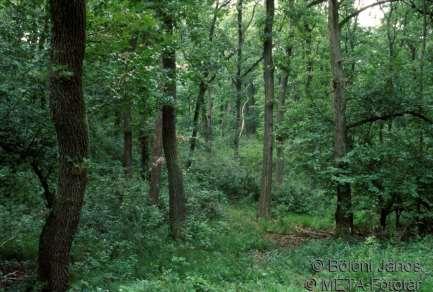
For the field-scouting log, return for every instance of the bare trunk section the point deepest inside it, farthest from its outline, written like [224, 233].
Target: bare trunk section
[268, 76]
[69, 117]
[308, 59]
[127, 118]
[343, 214]
[195, 122]
[145, 154]
[204, 84]
[127, 139]
[177, 209]
[238, 78]
[208, 129]
[157, 162]
[279, 166]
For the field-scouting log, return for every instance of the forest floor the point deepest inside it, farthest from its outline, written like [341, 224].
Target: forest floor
[277, 255]
[237, 253]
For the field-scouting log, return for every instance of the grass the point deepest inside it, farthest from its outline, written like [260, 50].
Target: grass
[237, 257]
[233, 253]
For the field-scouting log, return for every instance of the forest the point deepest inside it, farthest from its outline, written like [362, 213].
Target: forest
[216, 145]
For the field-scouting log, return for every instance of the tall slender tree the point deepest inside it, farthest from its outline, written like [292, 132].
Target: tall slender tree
[343, 214]
[69, 116]
[177, 209]
[238, 78]
[265, 195]
[157, 161]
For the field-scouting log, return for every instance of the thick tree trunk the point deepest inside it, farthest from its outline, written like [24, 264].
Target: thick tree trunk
[265, 195]
[157, 162]
[343, 214]
[127, 140]
[238, 78]
[177, 209]
[69, 117]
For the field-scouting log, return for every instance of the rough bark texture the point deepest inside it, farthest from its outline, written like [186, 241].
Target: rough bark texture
[343, 214]
[157, 162]
[177, 209]
[265, 195]
[69, 117]
[238, 78]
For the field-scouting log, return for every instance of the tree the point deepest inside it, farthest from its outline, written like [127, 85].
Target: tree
[177, 209]
[268, 76]
[157, 161]
[69, 117]
[343, 214]
[238, 78]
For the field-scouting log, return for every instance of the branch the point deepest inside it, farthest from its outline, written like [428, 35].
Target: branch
[252, 67]
[315, 2]
[417, 9]
[251, 19]
[43, 180]
[243, 118]
[390, 116]
[357, 12]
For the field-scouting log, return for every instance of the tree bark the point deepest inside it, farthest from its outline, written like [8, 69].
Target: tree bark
[279, 165]
[127, 139]
[198, 105]
[157, 162]
[238, 78]
[177, 209]
[127, 117]
[208, 129]
[69, 117]
[145, 154]
[268, 76]
[308, 58]
[204, 84]
[343, 214]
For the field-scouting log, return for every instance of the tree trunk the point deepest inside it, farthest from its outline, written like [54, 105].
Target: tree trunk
[208, 130]
[127, 118]
[238, 78]
[127, 139]
[145, 154]
[157, 162]
[279, 166]
[177, 209]
[265, 195]
[308, 58]
[343, 214]
[195, 122]
[69, 117]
